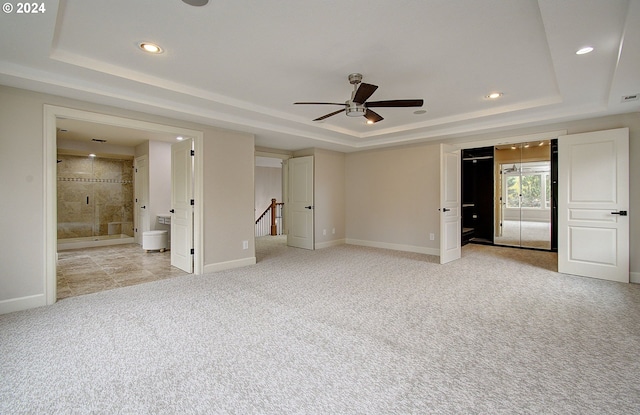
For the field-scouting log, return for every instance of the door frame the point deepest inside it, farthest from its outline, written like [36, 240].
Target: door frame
[549, 135]
[51, 113]
[140, 193]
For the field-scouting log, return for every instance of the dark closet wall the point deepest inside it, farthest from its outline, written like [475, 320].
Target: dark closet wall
[477, 195]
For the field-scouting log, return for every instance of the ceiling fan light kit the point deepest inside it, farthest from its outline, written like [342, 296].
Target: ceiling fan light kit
[358, 106]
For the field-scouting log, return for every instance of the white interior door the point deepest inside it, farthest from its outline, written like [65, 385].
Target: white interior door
[450, 204]
[300, 204]
[141, 183]
[181, 205]
[593, 187]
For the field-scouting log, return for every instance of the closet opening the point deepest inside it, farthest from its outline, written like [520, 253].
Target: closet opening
[509, 195]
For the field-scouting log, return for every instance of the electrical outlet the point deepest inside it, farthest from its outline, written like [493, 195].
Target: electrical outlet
[324, 232]
[333, 231]
[245, 244]
[432, 237]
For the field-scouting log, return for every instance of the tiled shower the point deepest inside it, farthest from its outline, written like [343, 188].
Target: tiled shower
[95, 198]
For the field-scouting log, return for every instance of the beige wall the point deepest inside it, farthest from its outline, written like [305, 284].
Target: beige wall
[228, 190]
[393, 196]
[329, 197]
[392, 193]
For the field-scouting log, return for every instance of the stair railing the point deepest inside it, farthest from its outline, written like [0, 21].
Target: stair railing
[270, 222]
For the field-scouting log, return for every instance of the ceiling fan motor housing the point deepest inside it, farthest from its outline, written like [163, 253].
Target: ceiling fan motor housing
[354, 109]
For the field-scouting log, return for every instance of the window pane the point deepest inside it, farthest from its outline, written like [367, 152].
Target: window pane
[547, 179]
[531, 186]
[513, 192]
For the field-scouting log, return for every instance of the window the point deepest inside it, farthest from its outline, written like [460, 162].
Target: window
[529, 187]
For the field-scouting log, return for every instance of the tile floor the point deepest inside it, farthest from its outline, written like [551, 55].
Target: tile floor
[89, 270]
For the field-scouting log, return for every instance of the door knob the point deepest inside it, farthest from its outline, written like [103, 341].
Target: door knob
[308, 207]
[143, 207]
[445, 210]
[172, 211]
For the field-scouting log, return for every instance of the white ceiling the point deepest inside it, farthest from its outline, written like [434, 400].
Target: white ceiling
[241, 64]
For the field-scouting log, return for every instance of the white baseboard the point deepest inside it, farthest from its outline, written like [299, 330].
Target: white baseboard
[22, 303]
[328, 244]
[221, 266]
[395, 247]
[634, 277]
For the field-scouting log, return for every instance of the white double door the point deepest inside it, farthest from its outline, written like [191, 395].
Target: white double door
[593, 204]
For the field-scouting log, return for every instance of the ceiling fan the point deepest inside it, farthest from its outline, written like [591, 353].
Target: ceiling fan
[358, 105]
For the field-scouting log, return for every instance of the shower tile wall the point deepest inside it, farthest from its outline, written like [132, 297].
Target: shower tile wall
[108, 183]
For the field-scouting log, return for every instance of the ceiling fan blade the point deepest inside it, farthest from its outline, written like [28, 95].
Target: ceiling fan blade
[396, 103]
[364, 92]
[374, 117]
[329, 115]
[320, 103]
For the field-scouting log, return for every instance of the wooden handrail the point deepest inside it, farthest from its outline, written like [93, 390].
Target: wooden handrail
[272, 208]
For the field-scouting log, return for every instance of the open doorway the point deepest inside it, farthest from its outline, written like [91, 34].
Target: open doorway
[151, 131]
[510, 194]
[270, 194]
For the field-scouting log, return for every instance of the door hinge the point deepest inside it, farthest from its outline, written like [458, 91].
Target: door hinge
[193, 202]
[192, 251]
[193, 152]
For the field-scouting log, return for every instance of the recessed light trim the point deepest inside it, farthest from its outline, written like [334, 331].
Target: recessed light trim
[150, 47]
[420, 112]
[494, 95]
[584, 50]
[196, 3]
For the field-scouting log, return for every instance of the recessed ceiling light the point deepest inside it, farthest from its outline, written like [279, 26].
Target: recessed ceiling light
[92, 155]
[179, 138]
[494, 95]
[196, 2]
[420, 112]
[369, 122]
[584, 50]
[150, 47]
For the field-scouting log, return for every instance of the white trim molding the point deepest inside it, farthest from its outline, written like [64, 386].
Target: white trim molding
[328, 244]
[51, 113]
[395, 247]
[22, 303]
[222, 266]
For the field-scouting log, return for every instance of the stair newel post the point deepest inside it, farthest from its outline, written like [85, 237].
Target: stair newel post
[274, 226]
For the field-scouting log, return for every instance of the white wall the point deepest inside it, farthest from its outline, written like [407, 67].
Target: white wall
[268, 183]
[159, 182]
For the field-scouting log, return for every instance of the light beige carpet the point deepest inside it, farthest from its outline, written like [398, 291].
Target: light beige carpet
[343, 330]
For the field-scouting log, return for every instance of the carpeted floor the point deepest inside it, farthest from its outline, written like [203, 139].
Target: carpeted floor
[342, 330]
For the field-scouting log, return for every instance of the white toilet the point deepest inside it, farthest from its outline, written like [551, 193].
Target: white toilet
[154, 241]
